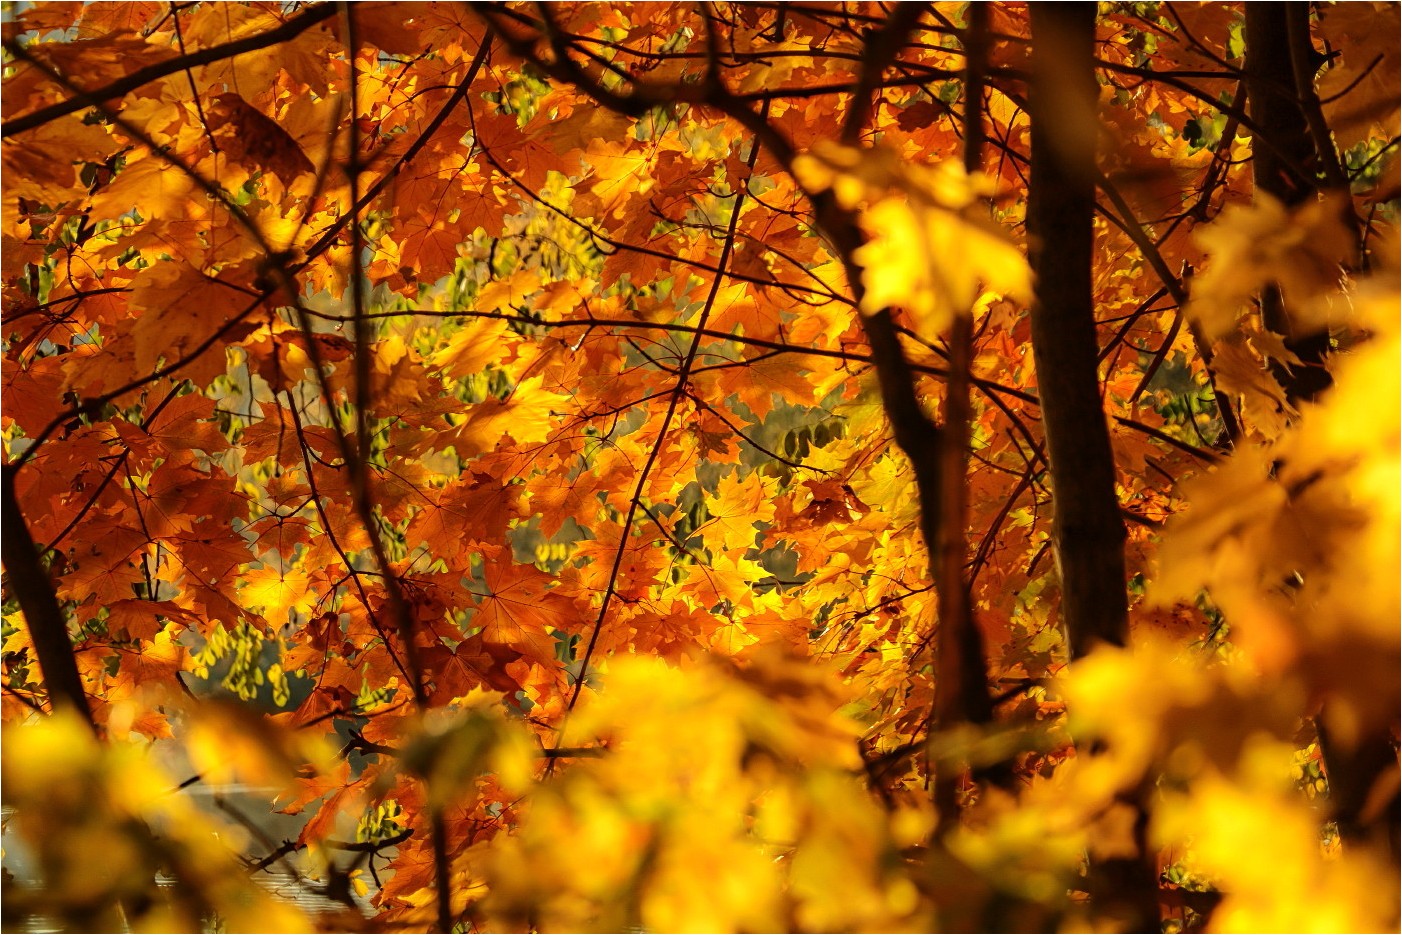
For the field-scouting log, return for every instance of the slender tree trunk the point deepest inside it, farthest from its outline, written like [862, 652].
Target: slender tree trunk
[937, 454]
[1284, 168]
[962, 673]
[961, 681]
[48, 629]
[1087, 531]
[1279, 76]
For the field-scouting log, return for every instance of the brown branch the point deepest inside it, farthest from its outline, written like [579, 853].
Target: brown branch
[1088, 532]
[1270, 76]
[877, 55]
[48, 627]
[961, 664]
[1301, 51]
[94, 97]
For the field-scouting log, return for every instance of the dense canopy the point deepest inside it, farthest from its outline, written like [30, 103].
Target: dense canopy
[702, 466]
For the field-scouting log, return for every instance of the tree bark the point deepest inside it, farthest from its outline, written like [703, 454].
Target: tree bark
[1279, 77]
[48, 629]
[1282, 169]
[961, 681]
[961, 677]
[1087, 532]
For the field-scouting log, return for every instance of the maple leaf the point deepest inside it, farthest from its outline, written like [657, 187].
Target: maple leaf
[1302, 250]
[188, 423]
[142, 619]
[45, 17]
[520, 613]
[148, 184]
[397, 372]
[929, 250]
[737, 506]
[106, 568]
[1358, 93]
[323, 823]
[621, 173]
[508, 293]
[469, 666]
[278, 591]
[427, 245]
[720, 452]
[476, 344]
[156, 663]
[527, 415]
[307, 789]
[183, 307]
[35, 394]
[208, 557]
[174, 497]
[671, 632]
[247, 135]
[36, 174]
[468, 515]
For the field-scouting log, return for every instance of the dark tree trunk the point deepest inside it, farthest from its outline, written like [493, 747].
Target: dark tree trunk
[961, 683]
[1286, 165]
[48, 629]
[1282, 167]
[1087, 531]
[936, 454]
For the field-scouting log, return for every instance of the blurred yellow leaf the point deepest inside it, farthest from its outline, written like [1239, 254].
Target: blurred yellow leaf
[1251, 246]
[102, 821]
[228, 742]
[931, 246]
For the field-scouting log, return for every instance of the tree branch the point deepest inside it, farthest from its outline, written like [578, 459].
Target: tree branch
[1087, 530]
[94, 97]
[48, 627]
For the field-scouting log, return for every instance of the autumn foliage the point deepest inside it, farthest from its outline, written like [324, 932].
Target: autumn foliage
[703, 467]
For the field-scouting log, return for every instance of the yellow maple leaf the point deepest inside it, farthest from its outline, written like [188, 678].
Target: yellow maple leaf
[398, 373]
[150, 185]
[1251, 246]
[527, 416]
[509, 292]
[182, 308]
[471, 349]
[619, 172]
[277, 591]
[736, 507]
